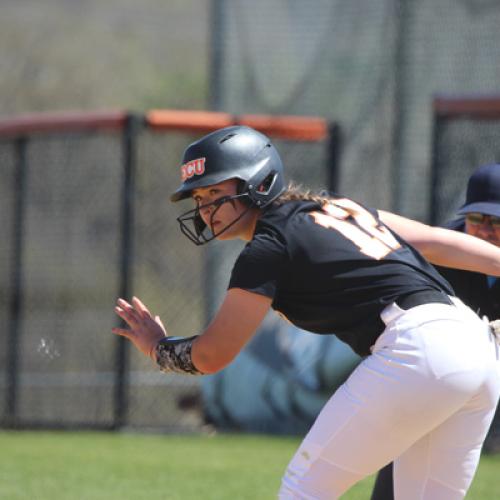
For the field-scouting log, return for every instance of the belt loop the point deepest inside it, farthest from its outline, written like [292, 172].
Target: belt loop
[390, 313]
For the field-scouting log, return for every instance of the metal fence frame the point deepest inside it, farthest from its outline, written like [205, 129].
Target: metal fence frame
[19, 130]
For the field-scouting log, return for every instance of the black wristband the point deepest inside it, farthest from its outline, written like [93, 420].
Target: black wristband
[173, 354]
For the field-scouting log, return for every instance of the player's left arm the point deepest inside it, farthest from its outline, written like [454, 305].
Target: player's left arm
[238, 318]
[445, 247]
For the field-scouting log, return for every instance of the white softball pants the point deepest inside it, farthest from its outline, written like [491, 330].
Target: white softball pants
[424, 398]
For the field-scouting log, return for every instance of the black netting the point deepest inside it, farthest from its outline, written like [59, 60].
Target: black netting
[70, 274]
[332, 59]
[70, 266]
[462, 145]
[168, 276]
[7, 213]
[371, 66]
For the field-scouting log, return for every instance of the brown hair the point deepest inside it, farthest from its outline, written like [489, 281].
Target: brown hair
[296, 192]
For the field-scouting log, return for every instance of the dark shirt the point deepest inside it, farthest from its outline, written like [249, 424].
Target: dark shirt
[328, 274]
[473, 288]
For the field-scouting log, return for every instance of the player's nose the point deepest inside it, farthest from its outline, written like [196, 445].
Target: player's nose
[485, 231]
[206, 206]
[206, 211]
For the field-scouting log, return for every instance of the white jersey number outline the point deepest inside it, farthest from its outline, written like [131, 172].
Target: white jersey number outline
[364, 230]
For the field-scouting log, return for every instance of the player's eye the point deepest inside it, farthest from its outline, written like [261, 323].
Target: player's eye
[475, 219]
[220, 201]
[478, 219]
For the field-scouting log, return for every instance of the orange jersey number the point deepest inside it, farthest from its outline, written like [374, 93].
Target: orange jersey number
[358, 225]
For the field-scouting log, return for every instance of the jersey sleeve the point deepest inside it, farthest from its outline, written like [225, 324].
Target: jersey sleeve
[260, 266]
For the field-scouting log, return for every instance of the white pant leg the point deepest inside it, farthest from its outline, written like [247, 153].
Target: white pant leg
[441, 465]
[420, 374]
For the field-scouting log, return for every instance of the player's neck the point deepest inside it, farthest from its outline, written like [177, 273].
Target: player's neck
[250, 224]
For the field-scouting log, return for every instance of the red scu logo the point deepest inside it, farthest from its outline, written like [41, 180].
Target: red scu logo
[193, 167]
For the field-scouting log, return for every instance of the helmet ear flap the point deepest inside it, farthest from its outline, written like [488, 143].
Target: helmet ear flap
[265, 187]
[265, 190]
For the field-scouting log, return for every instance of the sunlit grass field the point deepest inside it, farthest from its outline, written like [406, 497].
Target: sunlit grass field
[125, 466]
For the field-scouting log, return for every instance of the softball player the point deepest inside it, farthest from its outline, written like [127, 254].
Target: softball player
[427, 388]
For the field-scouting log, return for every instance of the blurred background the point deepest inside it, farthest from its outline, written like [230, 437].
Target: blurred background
[408, 94]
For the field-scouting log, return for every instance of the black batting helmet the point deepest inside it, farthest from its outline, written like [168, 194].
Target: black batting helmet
[237, 152]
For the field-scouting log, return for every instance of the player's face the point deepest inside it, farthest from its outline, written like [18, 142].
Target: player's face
[486, 227]
[217, 217]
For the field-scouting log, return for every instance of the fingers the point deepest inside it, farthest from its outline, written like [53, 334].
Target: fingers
[123, 303]
[132, 313]
[127, 315]
[141, 308]
[127, 312]
[122, 332]
[160, 322]
[144, 331]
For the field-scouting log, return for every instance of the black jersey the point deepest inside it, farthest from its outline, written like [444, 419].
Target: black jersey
[331, 270]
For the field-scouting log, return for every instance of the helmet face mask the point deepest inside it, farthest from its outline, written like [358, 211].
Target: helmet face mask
[238, 153]
[193, 226]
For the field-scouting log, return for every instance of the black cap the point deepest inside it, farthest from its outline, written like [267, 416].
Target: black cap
[483, 191]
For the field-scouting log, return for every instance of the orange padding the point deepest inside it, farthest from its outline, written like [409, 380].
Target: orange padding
[300, 128]
[74, 121]
[480, 106]
[193, 121]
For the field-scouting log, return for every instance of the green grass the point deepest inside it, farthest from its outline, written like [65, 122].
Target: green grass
[107, 466]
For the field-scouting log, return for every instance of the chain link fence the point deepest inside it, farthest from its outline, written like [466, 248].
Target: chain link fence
[466, 136]
[372, 66]
[85, 209]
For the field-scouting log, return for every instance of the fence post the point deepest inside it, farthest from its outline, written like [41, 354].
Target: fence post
[217, 20]
[403, 17]
[436, 131]
[16, 278]
[333, 155]
[129, 149]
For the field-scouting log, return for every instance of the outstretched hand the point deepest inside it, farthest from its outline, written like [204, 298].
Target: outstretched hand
[145, 331]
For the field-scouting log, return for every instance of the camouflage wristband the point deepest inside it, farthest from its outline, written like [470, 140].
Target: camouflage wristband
[173, 354]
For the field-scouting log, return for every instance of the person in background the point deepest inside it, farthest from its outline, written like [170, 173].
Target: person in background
[480, 217]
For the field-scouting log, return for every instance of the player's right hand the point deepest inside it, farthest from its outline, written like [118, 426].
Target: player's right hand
[145, 331]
